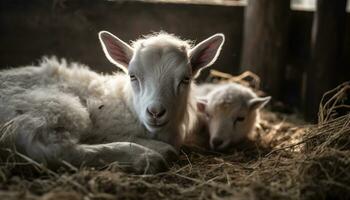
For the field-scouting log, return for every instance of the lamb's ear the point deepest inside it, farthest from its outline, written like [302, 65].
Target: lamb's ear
[205, 53]
[258, 102]
[201, 104]
[117, 51]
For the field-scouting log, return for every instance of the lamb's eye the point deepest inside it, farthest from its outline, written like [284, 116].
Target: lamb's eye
[207, 115]
[132, 77]
[186, 80]
[240, 119]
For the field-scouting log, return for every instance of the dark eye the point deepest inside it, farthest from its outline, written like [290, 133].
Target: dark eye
[186, 80]
[132, 77]
[207, 115]
[240, 119]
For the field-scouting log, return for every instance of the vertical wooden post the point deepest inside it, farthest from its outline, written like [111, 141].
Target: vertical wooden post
[265, 42]
[326, 48]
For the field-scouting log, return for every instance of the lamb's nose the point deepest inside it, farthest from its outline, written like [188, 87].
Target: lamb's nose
[217, 142]
[156, 110]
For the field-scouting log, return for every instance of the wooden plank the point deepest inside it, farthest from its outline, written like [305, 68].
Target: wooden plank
[265, 42]
[326, 49]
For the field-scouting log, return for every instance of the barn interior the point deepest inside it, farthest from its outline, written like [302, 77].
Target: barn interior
[297, 51]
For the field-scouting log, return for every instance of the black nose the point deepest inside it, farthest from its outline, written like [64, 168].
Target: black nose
[156, 111]
[217, 142]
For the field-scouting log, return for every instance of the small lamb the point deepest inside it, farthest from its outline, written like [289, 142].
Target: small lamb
[227, 113]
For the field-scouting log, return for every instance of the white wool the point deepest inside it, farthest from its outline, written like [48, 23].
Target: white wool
[70, 98]
[161, 39]
[64, 111]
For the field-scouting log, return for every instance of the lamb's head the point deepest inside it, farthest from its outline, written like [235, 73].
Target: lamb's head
[161, 68]
[231, 111]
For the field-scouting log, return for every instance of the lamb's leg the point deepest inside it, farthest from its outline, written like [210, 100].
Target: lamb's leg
[168, 152]
[128, 156]
[32, 137]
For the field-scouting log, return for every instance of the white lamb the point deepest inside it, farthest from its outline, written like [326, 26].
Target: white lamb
[227, 113]
[65, 112]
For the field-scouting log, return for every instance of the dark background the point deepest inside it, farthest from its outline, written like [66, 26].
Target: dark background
[31, 29]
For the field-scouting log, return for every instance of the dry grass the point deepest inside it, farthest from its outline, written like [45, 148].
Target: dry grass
[285, 159]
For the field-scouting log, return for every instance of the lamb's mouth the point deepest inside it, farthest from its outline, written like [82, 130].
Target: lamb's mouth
[157, 125]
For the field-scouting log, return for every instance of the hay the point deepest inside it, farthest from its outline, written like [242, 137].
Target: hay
[285, 159]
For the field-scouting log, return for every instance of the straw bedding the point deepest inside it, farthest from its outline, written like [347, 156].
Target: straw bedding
[284, 159]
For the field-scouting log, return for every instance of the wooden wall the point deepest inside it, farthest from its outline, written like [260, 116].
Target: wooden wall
[31, 29]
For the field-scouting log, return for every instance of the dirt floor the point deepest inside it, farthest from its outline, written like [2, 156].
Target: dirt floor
[285, 159]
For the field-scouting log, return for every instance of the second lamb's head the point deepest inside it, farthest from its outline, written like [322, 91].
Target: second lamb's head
[161, 68]
[231, 112]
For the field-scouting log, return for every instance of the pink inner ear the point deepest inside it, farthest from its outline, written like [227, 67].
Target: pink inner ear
[201, 107]
[115, 50]
[206, 54]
